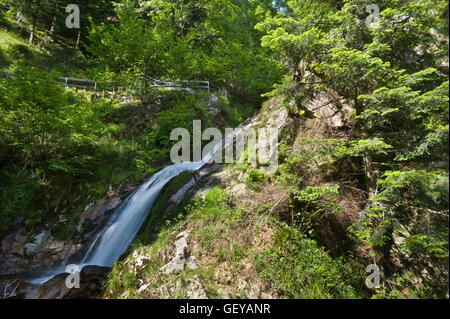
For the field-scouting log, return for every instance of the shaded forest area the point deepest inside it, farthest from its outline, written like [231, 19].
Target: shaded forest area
[386, 78]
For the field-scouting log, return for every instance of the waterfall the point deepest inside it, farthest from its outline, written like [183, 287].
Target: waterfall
[127, 219]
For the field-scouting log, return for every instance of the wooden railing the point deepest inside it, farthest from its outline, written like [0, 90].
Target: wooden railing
[84, 84]
[180, 85]
[99, 86]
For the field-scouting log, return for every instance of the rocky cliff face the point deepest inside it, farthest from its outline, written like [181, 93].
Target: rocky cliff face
[194, 259]
[21, 253]
[25, 253]
[90, 286]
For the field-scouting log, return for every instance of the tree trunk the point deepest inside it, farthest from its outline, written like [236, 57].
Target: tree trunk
[52, 29]
[33, 28]
[19, 18]
[78, 38]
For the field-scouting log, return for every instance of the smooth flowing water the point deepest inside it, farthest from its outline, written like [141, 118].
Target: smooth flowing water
[127, 219]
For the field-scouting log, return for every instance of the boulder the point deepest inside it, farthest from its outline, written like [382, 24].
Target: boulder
[194, 289]
[180, 259]
[13, 244]
[38, 241]
[98, 213]
[91, 279]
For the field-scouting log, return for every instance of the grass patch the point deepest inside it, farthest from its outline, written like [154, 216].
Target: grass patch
[254, 179]
[14, 48]
[232, 243]
[296, 267]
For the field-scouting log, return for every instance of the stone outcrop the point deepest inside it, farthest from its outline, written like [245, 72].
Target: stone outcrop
[180, 260]
[42, 251]
[91, 279]
[26, 253]
[97, 214]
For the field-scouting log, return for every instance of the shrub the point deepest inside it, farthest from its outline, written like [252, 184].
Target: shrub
[311, 204]
[296, 267]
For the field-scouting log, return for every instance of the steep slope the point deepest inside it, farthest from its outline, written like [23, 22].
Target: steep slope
[236, 235]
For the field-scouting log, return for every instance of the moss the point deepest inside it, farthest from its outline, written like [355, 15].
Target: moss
[154, 221]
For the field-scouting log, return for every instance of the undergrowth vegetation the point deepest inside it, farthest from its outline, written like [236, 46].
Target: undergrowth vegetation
[73, 147]
[363, 166]
[231, 243]
[61, 149]
[297, 267]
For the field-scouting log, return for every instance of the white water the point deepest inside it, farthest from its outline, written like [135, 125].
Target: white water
[128, 218]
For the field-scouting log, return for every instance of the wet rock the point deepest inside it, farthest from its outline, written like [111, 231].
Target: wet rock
[12, 257]
[20, 253]
[56, 246]
[13, 244]
[42, 252]
[37, 242]
[11, 264]
[55, 288]
[96, 214]
[91, 279]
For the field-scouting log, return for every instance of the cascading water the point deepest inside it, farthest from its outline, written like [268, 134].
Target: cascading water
[128, 217]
